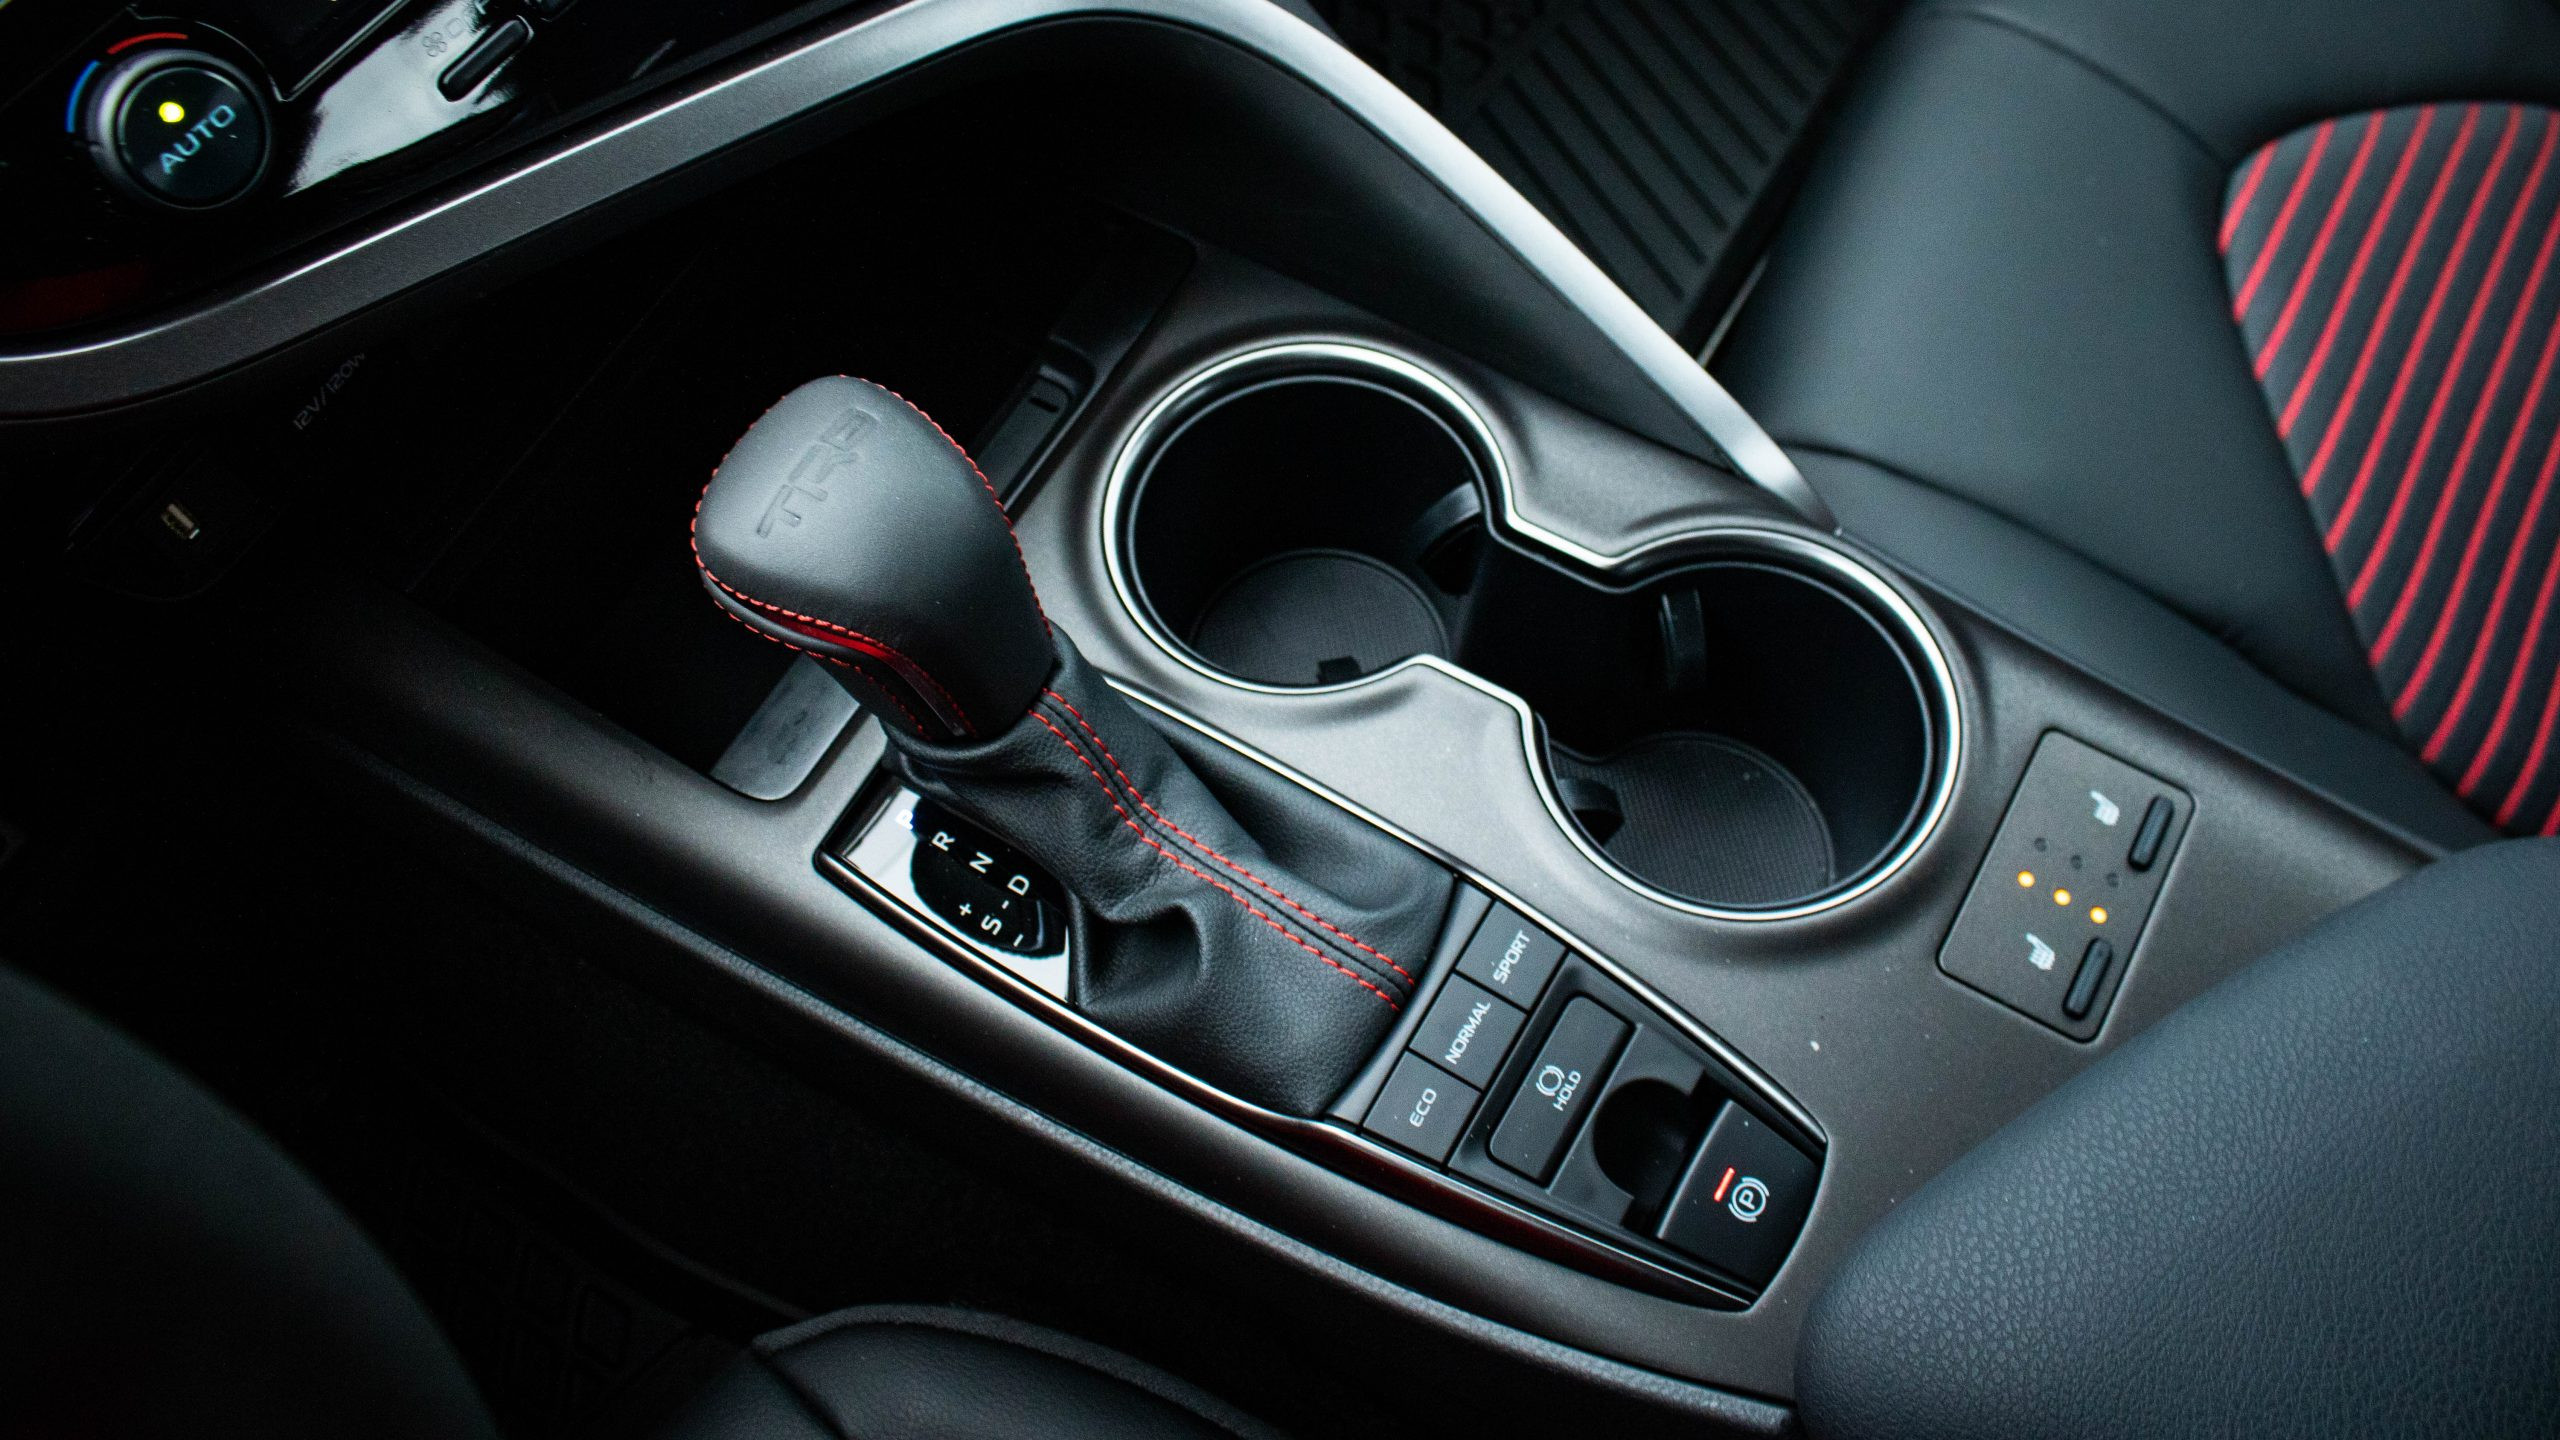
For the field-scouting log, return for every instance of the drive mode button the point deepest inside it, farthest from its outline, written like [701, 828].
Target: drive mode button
[1559, 1088]
[1511, 957]
[1468, 1031]
[1422, 1110]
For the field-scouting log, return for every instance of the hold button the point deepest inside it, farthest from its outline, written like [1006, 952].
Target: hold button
[1558, 1089]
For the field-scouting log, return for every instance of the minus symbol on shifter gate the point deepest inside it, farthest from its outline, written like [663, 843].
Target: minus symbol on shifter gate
[1722, 1186]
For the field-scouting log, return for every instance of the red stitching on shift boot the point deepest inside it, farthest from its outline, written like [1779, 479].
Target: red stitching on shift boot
[1204, 876]
[693, 539]
[1274, 891]
[885, 692]
[992, 497]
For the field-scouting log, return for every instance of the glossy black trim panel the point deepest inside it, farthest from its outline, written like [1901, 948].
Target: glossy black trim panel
[556, 185]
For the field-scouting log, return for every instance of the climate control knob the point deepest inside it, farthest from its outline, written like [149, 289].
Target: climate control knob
[179, 128]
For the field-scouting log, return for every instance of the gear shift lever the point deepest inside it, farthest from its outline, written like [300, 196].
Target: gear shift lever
[846, 501]
[1227, 920]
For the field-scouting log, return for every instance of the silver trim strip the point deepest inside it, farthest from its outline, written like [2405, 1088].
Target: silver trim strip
[1177, 404]
[206, 341]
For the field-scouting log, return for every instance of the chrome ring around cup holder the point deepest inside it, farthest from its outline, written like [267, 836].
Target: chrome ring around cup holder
[1823, 565]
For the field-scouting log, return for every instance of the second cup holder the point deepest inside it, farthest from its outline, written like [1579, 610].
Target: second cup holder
[1756, 730]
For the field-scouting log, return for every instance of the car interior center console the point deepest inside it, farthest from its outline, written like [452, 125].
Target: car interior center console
[1672, 886]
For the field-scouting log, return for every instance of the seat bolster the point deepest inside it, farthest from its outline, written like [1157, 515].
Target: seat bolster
[2112, 629]
[2002, 281]
[170, 1272]
[2238, 75]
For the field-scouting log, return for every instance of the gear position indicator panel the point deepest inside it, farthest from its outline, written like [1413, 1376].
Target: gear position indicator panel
[968, 884]
[2050, 926]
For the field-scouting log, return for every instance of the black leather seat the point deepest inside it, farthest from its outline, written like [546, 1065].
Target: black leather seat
[2314, 1202]
[169, 1272]
[2210, 344]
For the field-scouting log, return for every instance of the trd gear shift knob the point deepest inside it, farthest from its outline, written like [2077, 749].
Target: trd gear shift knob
[847, 524]
[1258, 957]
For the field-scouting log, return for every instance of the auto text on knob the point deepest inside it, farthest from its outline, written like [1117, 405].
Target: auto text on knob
[192, 140]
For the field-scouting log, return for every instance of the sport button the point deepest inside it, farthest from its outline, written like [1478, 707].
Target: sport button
[1511, 957]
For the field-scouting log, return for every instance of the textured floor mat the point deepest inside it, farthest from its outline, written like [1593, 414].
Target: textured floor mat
[1657, 133]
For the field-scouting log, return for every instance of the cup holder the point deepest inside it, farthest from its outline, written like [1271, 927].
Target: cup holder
[1760, 730]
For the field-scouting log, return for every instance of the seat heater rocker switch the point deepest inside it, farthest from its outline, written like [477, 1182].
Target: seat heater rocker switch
[1422, 1110]
[1742, 1200]
[1558, 1089]
[2057, 909]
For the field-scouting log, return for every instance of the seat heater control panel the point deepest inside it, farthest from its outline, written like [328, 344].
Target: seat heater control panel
[1534, 1073]
[2060, 902]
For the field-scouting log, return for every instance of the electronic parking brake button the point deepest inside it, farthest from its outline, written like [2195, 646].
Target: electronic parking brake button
[1421, 1110]
[1468, 1031]
[1558, 1089]
[1743, 1199]
[1511, 957]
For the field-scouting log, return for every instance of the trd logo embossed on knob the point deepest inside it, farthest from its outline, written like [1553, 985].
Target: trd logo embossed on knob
[815, 471]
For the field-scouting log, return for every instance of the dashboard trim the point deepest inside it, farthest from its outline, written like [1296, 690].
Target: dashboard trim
[199, 343]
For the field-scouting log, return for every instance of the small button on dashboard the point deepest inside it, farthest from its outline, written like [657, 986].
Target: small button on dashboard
[1742, 1200]
[1511, 957]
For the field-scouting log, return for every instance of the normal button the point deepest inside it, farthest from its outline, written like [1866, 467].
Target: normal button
[1467, 1031]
